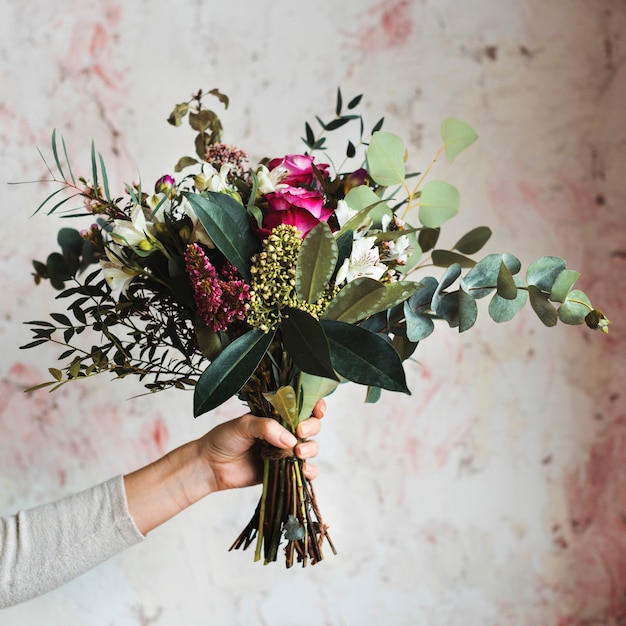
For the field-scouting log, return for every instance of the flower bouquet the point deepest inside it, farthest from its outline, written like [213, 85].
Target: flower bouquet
[275, 283]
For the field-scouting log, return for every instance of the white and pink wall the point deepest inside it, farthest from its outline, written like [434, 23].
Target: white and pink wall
[495, 495]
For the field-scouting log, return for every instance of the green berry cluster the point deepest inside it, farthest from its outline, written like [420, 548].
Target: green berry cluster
[273, 286]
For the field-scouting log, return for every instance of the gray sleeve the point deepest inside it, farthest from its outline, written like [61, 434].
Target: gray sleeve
[45, 547]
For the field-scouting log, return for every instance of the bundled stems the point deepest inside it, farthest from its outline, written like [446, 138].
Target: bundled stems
[287, 511]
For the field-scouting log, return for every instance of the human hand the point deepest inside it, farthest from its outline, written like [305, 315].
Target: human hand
[231, 452]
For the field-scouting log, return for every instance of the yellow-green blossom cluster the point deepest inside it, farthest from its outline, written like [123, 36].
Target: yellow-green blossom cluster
[273, 286]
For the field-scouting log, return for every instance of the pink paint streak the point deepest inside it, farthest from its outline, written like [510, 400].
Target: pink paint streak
[592, 541]
[44, 438]
[388, 26]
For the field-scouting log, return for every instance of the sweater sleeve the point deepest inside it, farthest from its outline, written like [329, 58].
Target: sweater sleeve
[45, 547]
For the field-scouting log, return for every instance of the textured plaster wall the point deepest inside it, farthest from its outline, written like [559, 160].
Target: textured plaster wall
[495, 494]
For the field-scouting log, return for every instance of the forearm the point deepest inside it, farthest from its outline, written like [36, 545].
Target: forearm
[161, 490]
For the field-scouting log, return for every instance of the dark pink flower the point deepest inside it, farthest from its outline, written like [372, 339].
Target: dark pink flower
[295, 206]
[296, 169]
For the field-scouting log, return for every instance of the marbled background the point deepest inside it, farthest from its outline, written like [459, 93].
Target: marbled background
[495, 494]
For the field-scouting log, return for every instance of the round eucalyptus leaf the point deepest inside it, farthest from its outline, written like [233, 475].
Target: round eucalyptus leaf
[544, 271]
[562, 285]
[542, 306]
[439, 202]
[418, 326]
[575, 308]
[385, 159]
[482, 279]
[457, 136]
[502, 310]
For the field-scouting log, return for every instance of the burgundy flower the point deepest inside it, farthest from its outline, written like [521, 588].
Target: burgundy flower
[296, 169]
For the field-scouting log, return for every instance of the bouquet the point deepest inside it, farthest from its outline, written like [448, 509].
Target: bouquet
[276, 282]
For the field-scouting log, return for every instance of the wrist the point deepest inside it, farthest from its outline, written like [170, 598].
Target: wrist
[161, 490]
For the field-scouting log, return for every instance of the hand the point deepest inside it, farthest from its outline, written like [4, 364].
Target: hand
[232, 456]
[224, 458]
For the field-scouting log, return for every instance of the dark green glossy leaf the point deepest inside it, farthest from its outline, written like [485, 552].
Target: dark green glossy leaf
[305, 342]
[364, 357]
[230, 371]
[541, 305]
[473, 241]
[316, 263]
[228, 225]
[61, 319]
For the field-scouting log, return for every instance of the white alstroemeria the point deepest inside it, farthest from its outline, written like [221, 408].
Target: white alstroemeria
[135, 232]
[117, 274]
[364, 260]
[198, 233]
[265, 180]
[399, 250]
[344, 213]
[164, 206]
[212, 180]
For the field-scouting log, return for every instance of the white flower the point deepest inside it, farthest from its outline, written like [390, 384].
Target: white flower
[158, 200]
[363, 261]
[117, 275]
[198, 233]
[265, 181]
[134, 233]
[212, 180]
[344, 213]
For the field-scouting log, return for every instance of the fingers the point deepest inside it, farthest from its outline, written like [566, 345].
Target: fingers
[269, 430]
[319, 409]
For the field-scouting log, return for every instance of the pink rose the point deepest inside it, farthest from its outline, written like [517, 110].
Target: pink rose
[296, 169]
[297, 207]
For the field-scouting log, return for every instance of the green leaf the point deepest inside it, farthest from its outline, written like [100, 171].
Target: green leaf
[356, 301]
[312, 389]
[227, 223]
[56, 374]
[373, 395]
[481, 280]
[473, 241]
[501, 310]
[230, 371]
[56, 154]
[284, 402]
[105, 178]
[176, 116]
[543, 272]
[418, 326]
[563, 284]
[368, 206]
[203, 120]
[294, 530]
[364, 357]
[439, 202]
[541, 305]
[505, 285]
[468, 311]
[449, 276]
[573, 310]
[316, 263]
[457, 136]
[385, 159]
[94, 167]
[445, 258]
[184, 162]
[306, 343]
[396, 293]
